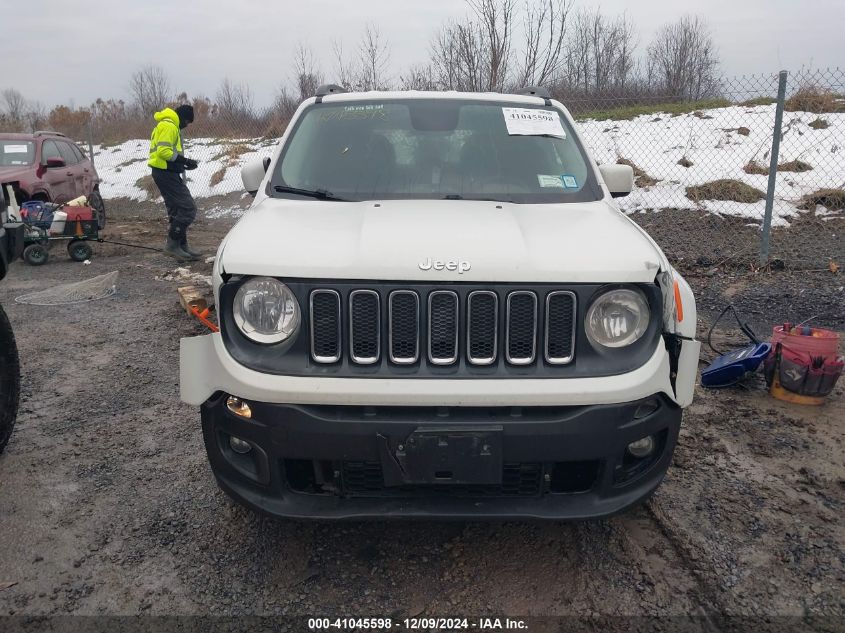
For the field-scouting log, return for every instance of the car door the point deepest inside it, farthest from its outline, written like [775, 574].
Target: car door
[89, 176]
[74, 167]
[59, 180]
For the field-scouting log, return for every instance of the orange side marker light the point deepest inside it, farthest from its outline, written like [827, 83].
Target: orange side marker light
[679, 306]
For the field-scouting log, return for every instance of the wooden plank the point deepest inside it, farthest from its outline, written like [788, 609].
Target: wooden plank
[194, 297]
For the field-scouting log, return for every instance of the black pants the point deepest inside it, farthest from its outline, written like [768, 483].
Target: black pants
[181, 208]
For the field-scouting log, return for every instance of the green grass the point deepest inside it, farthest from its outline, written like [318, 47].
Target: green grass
[630, 112]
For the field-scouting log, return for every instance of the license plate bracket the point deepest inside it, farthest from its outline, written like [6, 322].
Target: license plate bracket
[449, 455]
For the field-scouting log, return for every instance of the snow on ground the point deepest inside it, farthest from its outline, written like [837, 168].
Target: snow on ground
[710, 139]
[712, 142]
[121, 166]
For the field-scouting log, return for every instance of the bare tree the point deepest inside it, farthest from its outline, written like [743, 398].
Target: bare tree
[545, 33]
[599, 59]
[475, 54]
[235, 101]
[496, 27]
[307, 74]
[150, 88]
[36, 116]
[419, 77]
[14, 107]
[344, 68]
[373, 60]
[683, 60]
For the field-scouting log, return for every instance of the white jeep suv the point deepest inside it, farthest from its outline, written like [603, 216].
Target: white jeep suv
[434, 308]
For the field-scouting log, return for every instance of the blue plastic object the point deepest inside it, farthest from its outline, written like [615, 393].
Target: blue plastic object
[729, 368]
[37, 213]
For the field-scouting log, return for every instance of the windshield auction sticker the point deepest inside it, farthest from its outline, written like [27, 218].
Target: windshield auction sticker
[531, 122]
[546, 180]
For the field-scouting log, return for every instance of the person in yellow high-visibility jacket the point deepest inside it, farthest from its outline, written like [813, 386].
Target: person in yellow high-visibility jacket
[168, 165]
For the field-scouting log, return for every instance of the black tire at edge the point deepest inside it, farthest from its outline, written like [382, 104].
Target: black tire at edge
[10, 380]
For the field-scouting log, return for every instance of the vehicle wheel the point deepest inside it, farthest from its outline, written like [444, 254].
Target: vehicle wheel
[35, 254]
[80, 250]
[10, 380]
[95, 201]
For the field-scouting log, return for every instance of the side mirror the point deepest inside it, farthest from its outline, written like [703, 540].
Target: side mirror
[618, 178]
[253, 173]
[52, 163]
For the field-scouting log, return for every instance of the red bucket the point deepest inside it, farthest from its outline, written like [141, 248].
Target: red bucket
[803, 366]
[818, 341]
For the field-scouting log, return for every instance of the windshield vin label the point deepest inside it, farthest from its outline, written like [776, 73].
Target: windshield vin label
[531, 122]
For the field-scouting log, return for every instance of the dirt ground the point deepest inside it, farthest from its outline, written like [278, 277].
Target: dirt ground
[107, 504]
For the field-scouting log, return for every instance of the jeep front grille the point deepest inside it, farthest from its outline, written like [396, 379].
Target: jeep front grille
[441, 327]
[560, 326]
[325, 326]
[404, 327]
[521, 343]
[364, 326]
[482, 327]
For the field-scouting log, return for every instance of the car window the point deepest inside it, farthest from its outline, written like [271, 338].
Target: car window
[14, 153]
[80, 155]
[437, 148]
[49, 150]
[67, 153]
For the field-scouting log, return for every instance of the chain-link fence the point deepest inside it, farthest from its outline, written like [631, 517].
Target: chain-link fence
[702, 169]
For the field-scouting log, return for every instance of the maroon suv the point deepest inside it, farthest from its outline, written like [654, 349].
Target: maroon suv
[49, 166]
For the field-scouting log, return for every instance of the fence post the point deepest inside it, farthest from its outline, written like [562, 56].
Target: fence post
[773, 170]
[91, 143]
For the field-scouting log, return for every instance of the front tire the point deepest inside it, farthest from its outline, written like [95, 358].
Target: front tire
[10, 380]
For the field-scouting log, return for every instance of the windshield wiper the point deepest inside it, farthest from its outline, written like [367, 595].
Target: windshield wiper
[457, 196]
[320, 194]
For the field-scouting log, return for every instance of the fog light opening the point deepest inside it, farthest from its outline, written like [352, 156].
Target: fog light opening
[646, 408]
[239, 407]
[642, 447]
[239, 446]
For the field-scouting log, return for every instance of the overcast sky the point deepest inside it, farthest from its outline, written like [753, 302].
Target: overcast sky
[57, 51]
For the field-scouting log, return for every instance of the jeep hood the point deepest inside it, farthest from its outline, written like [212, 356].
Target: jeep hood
[387, 240]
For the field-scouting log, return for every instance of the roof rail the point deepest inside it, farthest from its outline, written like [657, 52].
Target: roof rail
[46, 132]
[328, 89]
[536, 91]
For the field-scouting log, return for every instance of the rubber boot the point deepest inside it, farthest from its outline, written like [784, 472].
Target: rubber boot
[172, 247]
[195, 255]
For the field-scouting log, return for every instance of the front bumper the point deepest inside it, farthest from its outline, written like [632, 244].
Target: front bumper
[339, 462]
[207, 368]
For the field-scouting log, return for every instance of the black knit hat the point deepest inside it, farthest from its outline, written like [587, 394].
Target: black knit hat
[186, 113]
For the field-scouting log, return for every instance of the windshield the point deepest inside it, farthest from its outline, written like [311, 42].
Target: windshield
[15, 153]
[434, 148]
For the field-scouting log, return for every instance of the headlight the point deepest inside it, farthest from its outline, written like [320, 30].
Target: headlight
[266, 311]
[617, 318]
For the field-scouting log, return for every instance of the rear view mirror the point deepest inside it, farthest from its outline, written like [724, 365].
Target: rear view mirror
[618, 178]
[55, 162]
[253, 173]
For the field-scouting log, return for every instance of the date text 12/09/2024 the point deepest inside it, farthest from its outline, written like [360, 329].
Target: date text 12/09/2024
[417, 624]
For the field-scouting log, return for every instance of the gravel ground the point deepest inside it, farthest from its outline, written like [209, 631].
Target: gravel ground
[107, 504]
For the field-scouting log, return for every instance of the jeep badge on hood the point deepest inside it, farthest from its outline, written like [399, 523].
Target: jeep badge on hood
[461, 265]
